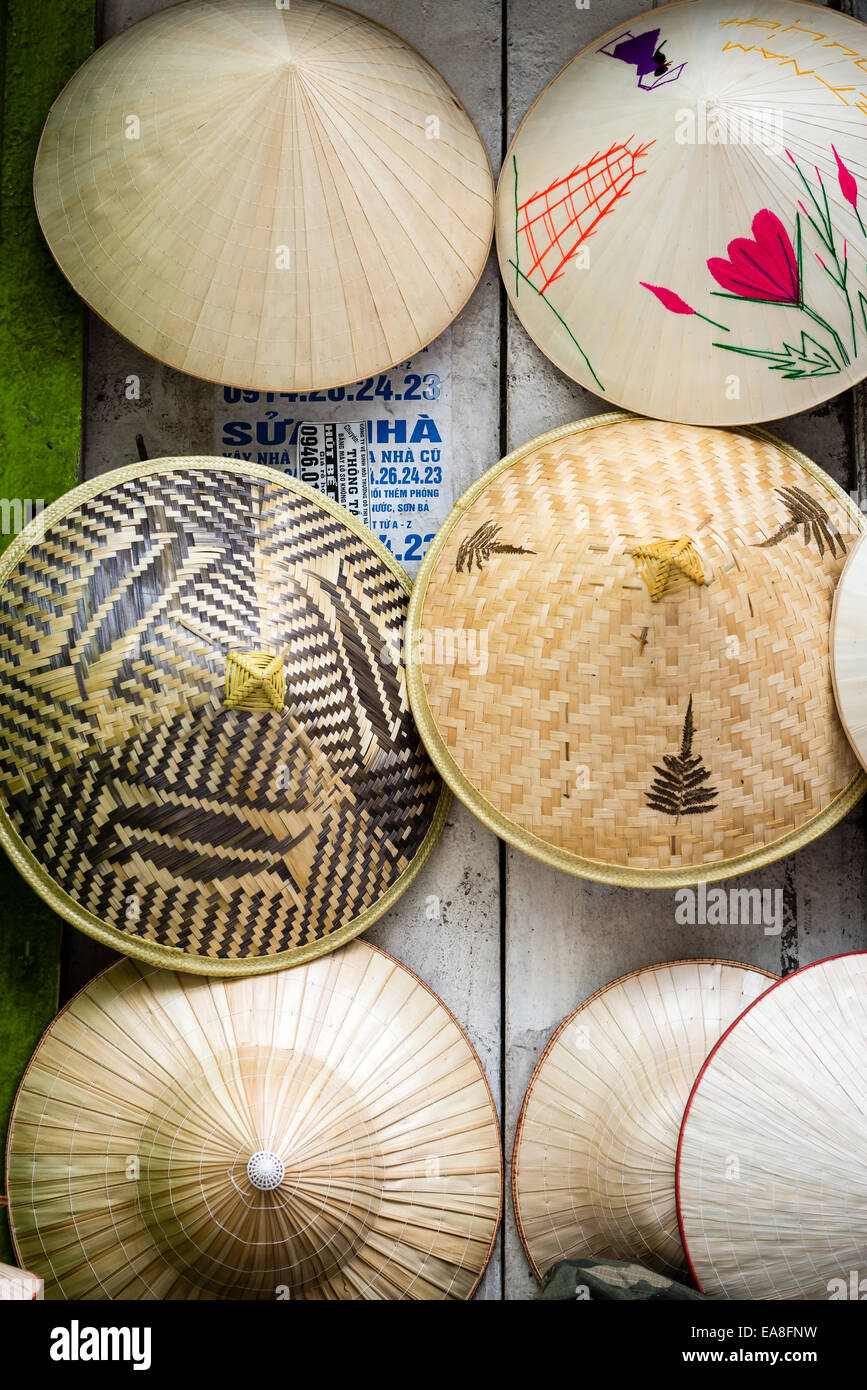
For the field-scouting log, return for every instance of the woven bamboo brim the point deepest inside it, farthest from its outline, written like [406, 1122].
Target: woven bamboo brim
[849, 650]
[324, 1133]
[771, 1175]
[594, 1159]
[270, 196]
[207, 756]
[618, 650]
[682, 215]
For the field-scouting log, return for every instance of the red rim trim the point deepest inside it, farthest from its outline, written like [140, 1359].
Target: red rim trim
[841, 955]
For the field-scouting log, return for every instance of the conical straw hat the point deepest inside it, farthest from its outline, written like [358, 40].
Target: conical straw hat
[276, 197]
[593, 1167]
[849, 649]
[682, 215]
[207, 756]
[618, 650]
[326, 1132]
[771, 1175]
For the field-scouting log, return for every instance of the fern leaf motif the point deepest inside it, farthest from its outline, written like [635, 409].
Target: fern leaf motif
[481, 545]
[807, 515]
[680, 785]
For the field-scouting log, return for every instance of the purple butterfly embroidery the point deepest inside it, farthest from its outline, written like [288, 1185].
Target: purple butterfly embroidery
[645, 53]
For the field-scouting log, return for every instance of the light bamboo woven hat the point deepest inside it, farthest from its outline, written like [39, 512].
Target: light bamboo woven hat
[594, 1160]
[849, 649]
[270, 196]
[618, 650]
[207, 756]
[771, 1171]
[322, 1133]
[682, 215]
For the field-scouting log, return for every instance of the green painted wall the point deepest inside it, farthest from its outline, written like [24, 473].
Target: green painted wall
[41, 318]
[41, 374]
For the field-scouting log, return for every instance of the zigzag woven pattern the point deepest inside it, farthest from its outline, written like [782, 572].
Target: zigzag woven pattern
[225, 832]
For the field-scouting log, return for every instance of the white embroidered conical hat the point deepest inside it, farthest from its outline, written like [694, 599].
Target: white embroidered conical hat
[682, 216]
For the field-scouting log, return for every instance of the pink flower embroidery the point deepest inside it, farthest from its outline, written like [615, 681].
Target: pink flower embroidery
[764, 267]
[848, 186]
[675, 305]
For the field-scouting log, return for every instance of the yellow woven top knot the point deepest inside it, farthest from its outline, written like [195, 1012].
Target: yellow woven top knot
[255, 680]
[668, 565]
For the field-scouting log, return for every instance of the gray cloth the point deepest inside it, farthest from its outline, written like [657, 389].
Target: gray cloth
[573, 1281]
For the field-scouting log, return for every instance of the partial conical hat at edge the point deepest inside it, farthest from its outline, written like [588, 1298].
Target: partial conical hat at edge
[771, 1169]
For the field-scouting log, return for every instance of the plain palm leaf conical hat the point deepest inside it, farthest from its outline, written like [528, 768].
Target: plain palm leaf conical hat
[682, 215]
[618, 650]
[322, 1133]
[771, 1174]
[207, 756]
[594, 1161]
[279, 197]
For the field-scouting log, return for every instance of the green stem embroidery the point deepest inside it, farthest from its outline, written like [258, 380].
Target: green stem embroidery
[517, 251]
[817, 318]
[809, 358]
[520, 272]
[713, 322]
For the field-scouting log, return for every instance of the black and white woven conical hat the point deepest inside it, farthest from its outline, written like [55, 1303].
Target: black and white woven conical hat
[207, 756]
[274, 196]
[323, 1133]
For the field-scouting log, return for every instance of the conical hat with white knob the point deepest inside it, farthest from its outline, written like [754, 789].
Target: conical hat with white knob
[325, 1132]
[682, 215]
[279, 197]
